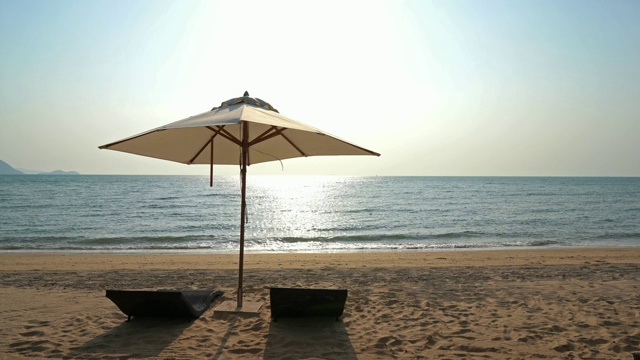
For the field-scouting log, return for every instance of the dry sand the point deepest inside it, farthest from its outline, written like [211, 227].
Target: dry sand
[558, 304]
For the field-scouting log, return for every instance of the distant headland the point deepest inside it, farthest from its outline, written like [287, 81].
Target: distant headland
[6, 169]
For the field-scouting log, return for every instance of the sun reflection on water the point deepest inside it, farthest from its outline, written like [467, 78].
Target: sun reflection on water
[294, 207]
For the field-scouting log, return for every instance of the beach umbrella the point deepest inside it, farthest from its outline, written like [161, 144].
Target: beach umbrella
[241, 131]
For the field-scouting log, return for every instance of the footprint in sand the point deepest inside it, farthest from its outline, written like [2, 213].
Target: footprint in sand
[383, 342]
[565, 347]
[32, 333]
[37, 324]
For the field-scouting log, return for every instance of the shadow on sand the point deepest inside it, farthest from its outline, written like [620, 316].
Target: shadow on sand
[143, 337]
[322, 338]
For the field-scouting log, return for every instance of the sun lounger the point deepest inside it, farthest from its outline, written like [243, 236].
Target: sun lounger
[163, 303]
[287, 302]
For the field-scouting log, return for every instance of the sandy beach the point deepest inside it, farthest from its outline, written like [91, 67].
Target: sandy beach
[521, 304]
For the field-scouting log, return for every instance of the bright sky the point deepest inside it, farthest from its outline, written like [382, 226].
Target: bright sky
[484, 87]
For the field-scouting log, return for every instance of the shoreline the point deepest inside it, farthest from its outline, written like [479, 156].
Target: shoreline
[502, 304]
[399, 249]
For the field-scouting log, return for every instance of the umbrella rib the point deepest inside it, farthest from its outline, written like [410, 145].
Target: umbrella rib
[271, 132]
[107, 146]
[201, 150]
[225, 134]
[361, 148]
[267, 135]
[215, 132]
[294, 145]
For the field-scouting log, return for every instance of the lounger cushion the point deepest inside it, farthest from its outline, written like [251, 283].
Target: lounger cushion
[290, 302]
[163, 303]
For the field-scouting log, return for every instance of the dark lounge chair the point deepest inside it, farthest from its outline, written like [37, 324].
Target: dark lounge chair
[287, 302]
[163, 303]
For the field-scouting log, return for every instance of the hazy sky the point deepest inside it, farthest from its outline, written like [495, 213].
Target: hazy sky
[486, 87]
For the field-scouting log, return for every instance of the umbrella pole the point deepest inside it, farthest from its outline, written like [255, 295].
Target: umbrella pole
[239, 306]
[211, 165]
[243, 205]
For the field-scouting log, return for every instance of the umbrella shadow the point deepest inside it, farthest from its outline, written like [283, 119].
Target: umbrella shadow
[143, 337]
[322, 338]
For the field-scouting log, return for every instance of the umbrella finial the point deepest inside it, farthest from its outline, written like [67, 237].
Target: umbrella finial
[246, 99]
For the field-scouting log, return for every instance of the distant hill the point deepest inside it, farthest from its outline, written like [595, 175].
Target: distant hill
[6, 169]
[60, 172]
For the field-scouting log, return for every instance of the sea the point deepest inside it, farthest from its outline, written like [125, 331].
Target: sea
[151, 214]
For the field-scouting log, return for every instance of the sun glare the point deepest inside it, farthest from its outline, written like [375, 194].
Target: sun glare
[292, 207]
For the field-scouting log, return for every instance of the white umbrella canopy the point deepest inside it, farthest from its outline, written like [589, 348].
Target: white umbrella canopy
[241, 131]
[272, 136]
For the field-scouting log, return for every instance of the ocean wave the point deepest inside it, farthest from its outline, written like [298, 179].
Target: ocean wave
[376, 237]
[533, 243]
[143, 240]
[462, 240]
[116, 243]
[621, 236]
[457, 234]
